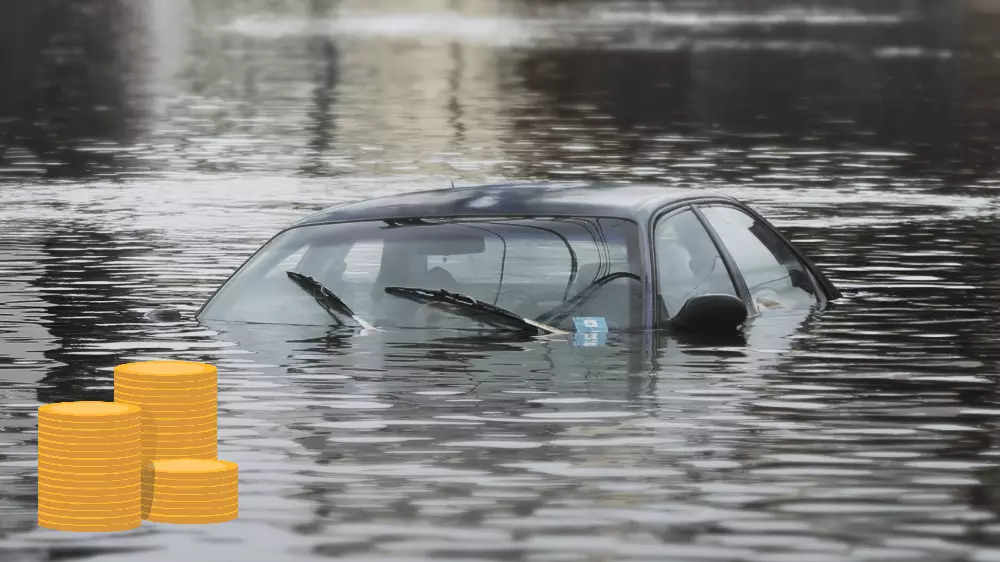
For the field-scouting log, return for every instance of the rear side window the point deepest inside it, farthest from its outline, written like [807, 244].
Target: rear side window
[774, 276]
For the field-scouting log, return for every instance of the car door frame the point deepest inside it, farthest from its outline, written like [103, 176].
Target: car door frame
[828, 292]
[665, 213]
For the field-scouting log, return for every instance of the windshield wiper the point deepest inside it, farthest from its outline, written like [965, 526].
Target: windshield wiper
[464, 305]
[329, 301]
[559, 313]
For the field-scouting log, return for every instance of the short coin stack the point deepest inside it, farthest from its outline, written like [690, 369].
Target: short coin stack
[89, 466]
[190, 491]
[179, 407]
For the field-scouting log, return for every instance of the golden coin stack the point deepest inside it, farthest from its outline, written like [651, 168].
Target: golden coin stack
[179, 407]
[182, 481]
[190, 491]
[89, 466]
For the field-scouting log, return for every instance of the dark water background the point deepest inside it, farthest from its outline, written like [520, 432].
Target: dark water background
[148, 147]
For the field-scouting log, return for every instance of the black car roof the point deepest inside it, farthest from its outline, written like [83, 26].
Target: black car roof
[630, 201]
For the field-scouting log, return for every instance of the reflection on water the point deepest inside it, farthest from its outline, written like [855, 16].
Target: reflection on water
[148, 148]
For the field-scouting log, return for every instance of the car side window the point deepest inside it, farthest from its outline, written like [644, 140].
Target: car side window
[773, 274]
[688, 263]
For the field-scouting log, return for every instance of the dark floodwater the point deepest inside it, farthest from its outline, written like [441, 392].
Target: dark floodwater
[148, 147]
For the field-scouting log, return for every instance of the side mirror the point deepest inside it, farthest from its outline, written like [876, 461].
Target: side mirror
[711, 313]
[164, 315]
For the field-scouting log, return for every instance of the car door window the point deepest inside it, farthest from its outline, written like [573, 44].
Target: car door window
[688, 263]
[773, 274]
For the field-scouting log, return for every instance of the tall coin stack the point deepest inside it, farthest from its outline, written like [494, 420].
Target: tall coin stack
[89, 466]
[190, 491]
[179, 407]
[182, 481]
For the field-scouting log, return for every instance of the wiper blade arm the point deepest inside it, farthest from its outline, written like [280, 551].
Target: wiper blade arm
[327, 299]
[469, 306]
[559, 313]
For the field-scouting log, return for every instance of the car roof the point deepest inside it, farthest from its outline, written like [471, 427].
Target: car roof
[624, 201]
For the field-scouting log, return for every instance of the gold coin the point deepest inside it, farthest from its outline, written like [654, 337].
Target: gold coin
[172, 404]
[187, 482]
[161, 417]
[104, 466]
[181, 436]
[172, 388]
[68, 479]
[107, 445]
[179, 445]
[181, 440]
[158, 454]
[89, 496]
[66, 430]
[89, 509]
[207, 431]
[91, 489]
[194, 489]
[162, 455]
[182, 426]
[124, 476]
[74, 434]
[144, 386]
[91, 427]
[89, 520]
[172, 376]
[161, 500]
[178, 407]
[194, 467]
[189, 511]
[91, 460]
[95, 470]
[161, 497]
[200, 438]
[107, 442]
[62, 499]
[78, 459]
[127, 525]
[87, 410]
[202, 479]
[167, 368]
[45, 449]
[151, 398]
[89, 437]
[192, 519]
[124, 461]
[166, 485]
[191, 491]
[174, 422]
[207, 503]
[165, 390]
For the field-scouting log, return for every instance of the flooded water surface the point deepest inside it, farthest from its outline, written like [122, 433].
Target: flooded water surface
[148, 148]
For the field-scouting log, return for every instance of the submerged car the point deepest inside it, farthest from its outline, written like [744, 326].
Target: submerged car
[527, 257]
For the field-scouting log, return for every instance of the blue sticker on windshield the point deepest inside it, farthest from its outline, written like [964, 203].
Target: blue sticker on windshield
[590, 324]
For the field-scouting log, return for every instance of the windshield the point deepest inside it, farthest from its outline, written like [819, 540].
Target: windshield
[526, 266]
